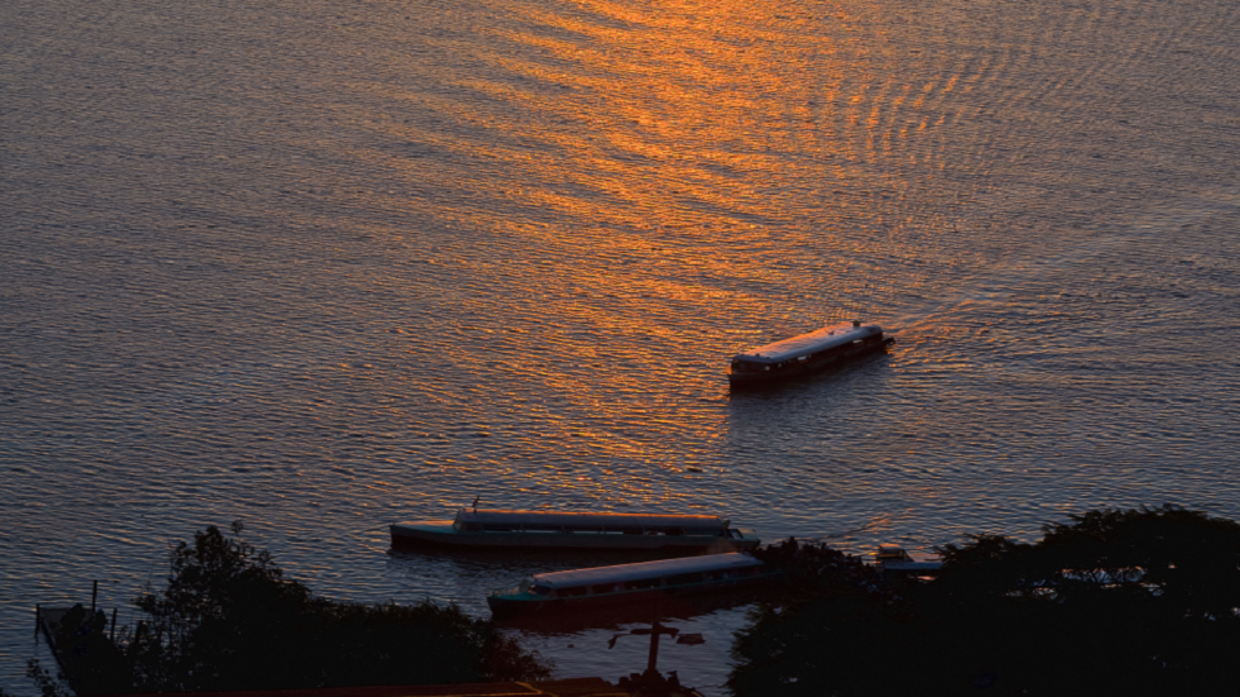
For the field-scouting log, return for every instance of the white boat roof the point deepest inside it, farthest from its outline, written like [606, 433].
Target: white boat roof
[645, 570]
[595, 520]
[827, 337]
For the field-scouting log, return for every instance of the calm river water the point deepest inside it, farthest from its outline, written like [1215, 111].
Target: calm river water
[319, 266]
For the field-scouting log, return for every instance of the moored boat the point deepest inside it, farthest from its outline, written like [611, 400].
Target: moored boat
[892, 558]
[629, 583]
[656, 533]
[806, 353]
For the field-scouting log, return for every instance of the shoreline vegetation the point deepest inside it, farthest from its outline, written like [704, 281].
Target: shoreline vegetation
[229, 620]
[1135, 602]
[1116, 602]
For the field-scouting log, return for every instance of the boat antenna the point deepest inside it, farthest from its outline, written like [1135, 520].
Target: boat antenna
[476, 500]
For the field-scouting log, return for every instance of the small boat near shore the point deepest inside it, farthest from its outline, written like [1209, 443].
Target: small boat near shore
[553, 530]
[629, 583]
[892, 558]
[806, 353]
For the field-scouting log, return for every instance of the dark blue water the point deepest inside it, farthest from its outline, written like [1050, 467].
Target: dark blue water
[319, 267]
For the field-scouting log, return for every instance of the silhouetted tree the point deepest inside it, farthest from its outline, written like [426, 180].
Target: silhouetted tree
[223, 600]
[818, 635]
[229, 620]
[1133, 602]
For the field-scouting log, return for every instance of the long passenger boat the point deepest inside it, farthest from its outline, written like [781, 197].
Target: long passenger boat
[473, 528]
[628, 583]
[805, 353]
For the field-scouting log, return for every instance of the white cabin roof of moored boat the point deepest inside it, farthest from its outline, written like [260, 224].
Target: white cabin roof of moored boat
[599, 521]
[818, 340]
[641, 571]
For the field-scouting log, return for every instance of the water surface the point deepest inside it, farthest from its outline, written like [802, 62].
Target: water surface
[319, 267]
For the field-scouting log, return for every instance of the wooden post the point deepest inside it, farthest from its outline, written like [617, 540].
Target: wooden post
[112, 635]
[654, 647]
[94, 594]
[38, 620]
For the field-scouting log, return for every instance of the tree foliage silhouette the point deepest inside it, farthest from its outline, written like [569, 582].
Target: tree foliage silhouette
[1133, 602]
[228, 619]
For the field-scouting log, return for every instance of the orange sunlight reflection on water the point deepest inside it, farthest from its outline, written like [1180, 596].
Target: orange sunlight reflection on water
[669, 155]
[632, 192]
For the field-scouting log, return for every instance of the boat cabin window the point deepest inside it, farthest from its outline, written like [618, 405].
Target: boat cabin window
[643, 584]
[603, 588]
[685, 579]
[571, 592]
[540, 589]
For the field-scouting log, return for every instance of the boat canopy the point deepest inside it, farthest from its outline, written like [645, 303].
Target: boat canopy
[686, 524]
[645, 570]
[819, 340]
